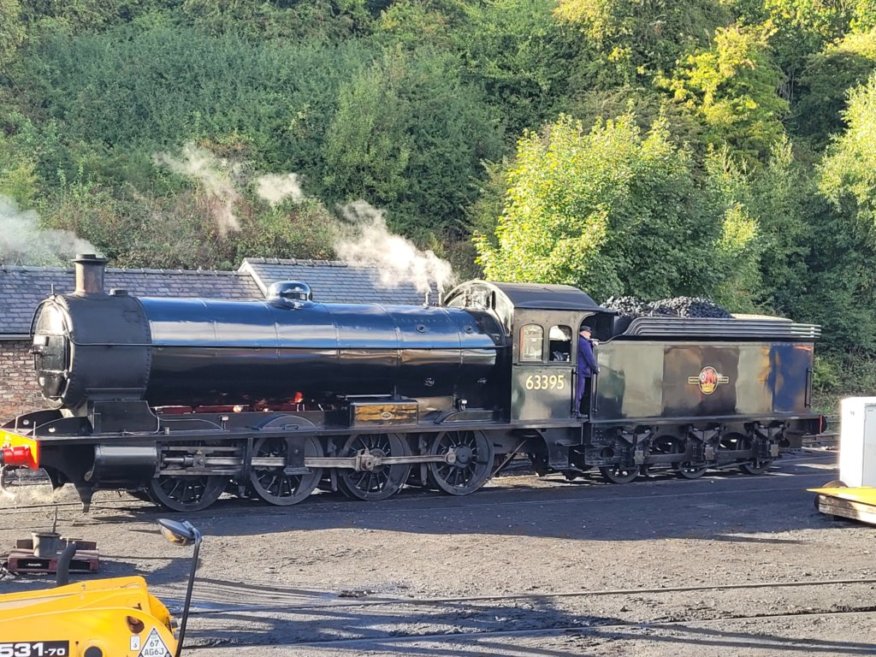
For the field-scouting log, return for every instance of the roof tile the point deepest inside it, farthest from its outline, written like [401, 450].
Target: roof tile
[22, 288]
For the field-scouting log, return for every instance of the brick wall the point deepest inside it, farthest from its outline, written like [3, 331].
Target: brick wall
[18, 388]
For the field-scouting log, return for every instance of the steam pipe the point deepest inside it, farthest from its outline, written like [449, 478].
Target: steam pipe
[63, 568]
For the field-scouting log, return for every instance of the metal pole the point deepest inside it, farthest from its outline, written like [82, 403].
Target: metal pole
[185, 616]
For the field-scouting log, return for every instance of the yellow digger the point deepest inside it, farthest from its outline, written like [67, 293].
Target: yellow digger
[114, 617]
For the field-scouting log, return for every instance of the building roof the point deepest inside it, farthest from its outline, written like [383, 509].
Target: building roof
[332, 281]
[22, 287]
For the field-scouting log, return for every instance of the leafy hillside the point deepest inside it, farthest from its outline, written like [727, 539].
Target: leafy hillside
[632, 147]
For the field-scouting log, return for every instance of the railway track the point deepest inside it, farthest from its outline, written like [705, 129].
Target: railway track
[232, 506]
[354, 610]
[605, 628]
[396, 622]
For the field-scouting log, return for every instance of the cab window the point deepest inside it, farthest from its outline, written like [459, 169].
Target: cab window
[531, 338]
[560, 348]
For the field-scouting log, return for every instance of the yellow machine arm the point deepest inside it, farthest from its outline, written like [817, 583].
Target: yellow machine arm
[115, 617]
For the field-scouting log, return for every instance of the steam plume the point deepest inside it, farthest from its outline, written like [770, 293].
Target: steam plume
[275, 188]
[398, 259]
[214, 175]
[23, 242]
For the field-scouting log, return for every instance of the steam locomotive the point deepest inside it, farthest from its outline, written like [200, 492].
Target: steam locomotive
[186, 399]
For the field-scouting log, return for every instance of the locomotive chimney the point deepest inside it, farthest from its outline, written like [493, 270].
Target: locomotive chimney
[89, 274]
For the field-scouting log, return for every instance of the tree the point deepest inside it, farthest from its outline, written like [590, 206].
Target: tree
[524, 57]
[735, 265]
[826, 81]
[733, 86]
[330, 20]
[409, 136]
[11, 30]
[640, 38]
[843, 249]
[611, 210]
[848, 173]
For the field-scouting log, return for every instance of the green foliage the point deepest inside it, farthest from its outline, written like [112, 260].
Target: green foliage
[305, 230]
[178, 231]
[87, 16]
[416, 106]
[526, 59]
[646, 105]
[608, 210]
[733, 87]
[147, 89]
[331, 20]
[780, 197]
[803, 27]
[848, 174]
[639, 38]
[11, 30]
[736, 262]
[838, 375]
[413, 24]
[826, 80]
[842, 291]
[864, 18]
[409, 136]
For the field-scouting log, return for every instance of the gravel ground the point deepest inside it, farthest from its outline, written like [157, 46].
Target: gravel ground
[727, 564]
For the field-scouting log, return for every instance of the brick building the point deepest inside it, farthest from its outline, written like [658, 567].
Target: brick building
[22, 289]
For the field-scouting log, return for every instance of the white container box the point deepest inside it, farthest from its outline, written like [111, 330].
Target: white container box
[857, 459]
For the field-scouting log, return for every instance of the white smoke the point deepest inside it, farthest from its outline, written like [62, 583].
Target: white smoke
[275, 188]
[398, 259]
[23, 242]
[214, 175]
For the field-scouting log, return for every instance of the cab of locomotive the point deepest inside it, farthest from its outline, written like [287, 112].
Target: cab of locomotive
[541, 323]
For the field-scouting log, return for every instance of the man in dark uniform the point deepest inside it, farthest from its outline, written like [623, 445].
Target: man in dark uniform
[587, 367]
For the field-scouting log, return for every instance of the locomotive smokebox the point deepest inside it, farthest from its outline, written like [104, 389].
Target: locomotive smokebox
[89, 274]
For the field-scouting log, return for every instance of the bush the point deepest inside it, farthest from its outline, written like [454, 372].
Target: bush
[409, 136]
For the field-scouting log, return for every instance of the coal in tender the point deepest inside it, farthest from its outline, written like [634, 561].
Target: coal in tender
[698, 307]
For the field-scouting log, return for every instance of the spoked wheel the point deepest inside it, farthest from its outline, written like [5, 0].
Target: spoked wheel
[384, 480]
[619, 474]
[276, 486]
[187, 493]
[689, 470]
[472, 467]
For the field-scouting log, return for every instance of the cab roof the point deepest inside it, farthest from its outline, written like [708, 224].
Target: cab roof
[535, 296]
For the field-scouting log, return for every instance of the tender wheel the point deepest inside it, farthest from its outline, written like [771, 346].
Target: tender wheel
[385, 480]
[756, 467]
[661, 446]
[473, 465]
[619, 474]
[274, 485]
[187, 494]
[688, 470]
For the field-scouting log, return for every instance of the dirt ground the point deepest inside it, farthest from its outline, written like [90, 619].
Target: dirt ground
[724, 565]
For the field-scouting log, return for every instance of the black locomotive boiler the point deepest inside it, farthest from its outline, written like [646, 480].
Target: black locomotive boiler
[188, 398]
